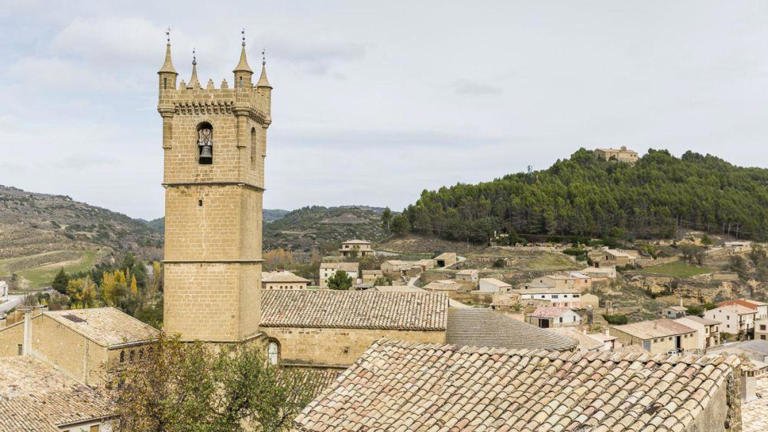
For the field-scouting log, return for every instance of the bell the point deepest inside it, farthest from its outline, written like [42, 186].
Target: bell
[206, 154]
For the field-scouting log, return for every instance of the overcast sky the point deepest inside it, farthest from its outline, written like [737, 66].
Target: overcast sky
[376, 101]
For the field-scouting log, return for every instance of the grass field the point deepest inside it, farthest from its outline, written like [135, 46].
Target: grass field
[678, 269]
[38, 270]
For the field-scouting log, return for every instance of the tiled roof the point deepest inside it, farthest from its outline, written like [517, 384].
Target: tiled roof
[749, 304]
[586, 342]
[654, 329]
[697, 319]
[549, 312]
[354, 309]
[282, 276]
[399, 386]
[356, 241]
[346, 266]
[494, 282]
[36, 397]
[442, 285]
[484, 327]
[106, 326]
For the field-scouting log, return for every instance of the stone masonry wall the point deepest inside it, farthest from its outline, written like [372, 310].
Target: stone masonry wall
[333, 346]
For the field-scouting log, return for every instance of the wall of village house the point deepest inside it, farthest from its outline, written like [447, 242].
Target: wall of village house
[338, 346]
[10, 339]
[660, 345]
[82, 358]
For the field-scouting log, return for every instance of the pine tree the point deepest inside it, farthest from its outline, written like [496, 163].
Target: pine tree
[60, 281]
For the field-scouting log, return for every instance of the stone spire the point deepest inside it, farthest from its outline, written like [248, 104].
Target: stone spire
[263, 81]
[242, 65]
[193, 81]
[167, 64]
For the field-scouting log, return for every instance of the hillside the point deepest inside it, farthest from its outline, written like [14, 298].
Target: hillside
[41, 233]
[584, 196]
[307, 227]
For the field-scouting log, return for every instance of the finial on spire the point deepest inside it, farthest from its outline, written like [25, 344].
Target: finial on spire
[168, 34]
[193, 81]
[263, 56]
[167, 64]
[194, 57]
[242, 32]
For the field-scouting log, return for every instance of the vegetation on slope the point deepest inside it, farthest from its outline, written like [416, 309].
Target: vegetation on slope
[585, 196]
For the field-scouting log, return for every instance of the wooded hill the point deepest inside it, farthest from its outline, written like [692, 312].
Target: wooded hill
[585, 196]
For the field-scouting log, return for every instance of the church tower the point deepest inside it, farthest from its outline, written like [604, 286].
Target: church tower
[214, 143]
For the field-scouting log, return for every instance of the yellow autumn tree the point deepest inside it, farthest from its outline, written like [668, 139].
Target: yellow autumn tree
[134, 286]
[109, 288]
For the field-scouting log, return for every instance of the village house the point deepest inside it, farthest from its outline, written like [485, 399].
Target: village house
[35, 396]
[492, 285]
[755, 367]
[90, 345]
[370, 276]
[562, 297]
[282, 280]
[607, 257]
[398, 269]
[3, 291]
[467, 275]
[399, 386]
[443, 285]
[356, 249]
[551, 317]
[329, 269]
[600, 274]
[446, 259]
[659, 336]
[760, 308]
[622, 154]
[674, 312]
[761, 329]
[707, 331]
[735, 319]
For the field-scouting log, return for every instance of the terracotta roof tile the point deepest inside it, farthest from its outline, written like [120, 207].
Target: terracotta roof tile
[354, 309]
[402, 386]
[106, 326]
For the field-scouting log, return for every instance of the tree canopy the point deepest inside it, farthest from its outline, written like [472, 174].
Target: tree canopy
[585, 196]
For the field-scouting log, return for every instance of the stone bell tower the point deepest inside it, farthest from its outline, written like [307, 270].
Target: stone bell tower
[214, 141]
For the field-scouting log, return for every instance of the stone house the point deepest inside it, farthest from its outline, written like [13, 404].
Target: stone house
[446, 259]
[467, 275]
[551, 317]
[443, 285]
[88, 344]
[398, 269]
[607, 257]
[707, 331]
[659, 336]
[621, 154]
[400, 386]
[674, 312]
[735, 320]
[332, 328]
[356, 249]
[586, 341]
[492, 285]
[600, 274]
[36, 396]
[329, 269]
[282, 280]
[370, 276]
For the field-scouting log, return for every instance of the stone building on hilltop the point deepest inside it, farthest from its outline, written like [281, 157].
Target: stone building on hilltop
[622, 154]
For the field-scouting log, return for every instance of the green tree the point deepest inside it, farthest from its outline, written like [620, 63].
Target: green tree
[386, 219]
[179, 387]
[340, 281]
[60, 281]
